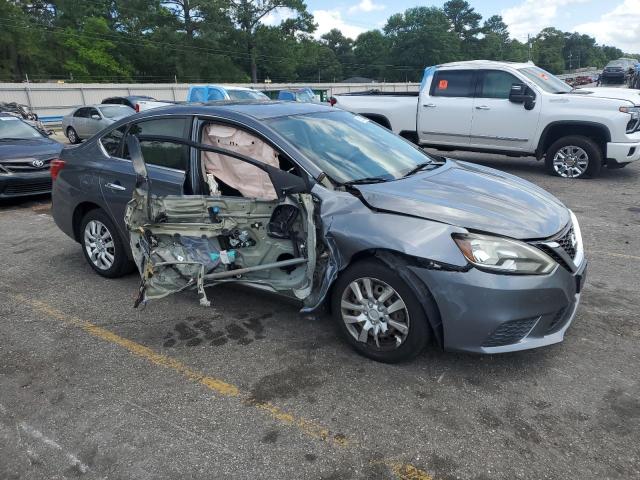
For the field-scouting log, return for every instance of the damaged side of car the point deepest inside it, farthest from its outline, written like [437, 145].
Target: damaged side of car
[184, 242]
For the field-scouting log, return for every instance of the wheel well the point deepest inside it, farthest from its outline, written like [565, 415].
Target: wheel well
[379, 119]
[78, 214]
[399, 261]
[598, 133]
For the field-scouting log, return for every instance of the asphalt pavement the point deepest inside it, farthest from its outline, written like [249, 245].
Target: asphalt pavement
[92, 388]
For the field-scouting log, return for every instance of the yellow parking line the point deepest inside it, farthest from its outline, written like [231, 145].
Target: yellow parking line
[307, 427]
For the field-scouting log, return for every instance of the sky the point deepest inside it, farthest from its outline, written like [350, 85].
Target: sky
[611, 22]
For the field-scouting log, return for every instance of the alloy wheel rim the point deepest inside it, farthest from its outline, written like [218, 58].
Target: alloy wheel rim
[99, 245]
[570, 161]
[375, 313]
[72, 135]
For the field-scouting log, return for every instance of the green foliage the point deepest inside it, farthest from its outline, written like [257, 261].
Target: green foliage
[243, 40]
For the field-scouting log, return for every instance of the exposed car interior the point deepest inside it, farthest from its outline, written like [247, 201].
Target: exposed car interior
[243, 230]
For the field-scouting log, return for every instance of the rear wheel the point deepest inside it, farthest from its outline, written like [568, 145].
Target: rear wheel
[574, 157]
[72, 135]
[378, 313]
[102, 247]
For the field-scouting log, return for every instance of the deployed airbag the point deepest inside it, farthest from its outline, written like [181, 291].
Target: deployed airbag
[250, 181]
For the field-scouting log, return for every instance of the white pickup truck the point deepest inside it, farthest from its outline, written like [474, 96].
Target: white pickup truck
[515, 109]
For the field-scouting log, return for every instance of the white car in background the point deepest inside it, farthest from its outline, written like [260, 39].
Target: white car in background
[84, 122]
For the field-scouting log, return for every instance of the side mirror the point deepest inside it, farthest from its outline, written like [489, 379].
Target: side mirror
[286, 183]
[521, 93]
[96, 117]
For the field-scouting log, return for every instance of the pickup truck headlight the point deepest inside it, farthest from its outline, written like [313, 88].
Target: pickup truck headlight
[634, 122]
[503, 255]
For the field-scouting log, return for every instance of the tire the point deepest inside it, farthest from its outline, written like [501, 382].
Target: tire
[72, 135]
[394, 345]
[584, 153]
[114, 263]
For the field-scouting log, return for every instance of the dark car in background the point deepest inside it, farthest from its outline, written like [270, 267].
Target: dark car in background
[26, 155]
[329, 208]
[618, 71]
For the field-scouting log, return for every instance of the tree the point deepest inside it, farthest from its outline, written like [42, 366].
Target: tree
[420, 36]
[464, 19]
[342, 47]
[91, 53]
[547, 49]
[247, 15]
[371, 51]
[495, 43]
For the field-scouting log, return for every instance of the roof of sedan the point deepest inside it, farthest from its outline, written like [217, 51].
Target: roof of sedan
[258, 109]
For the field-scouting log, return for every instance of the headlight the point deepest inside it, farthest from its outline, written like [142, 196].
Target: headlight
[503, 255]
[634, 122]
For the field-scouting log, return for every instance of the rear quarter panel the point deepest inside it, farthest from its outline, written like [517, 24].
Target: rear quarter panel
[400, 111]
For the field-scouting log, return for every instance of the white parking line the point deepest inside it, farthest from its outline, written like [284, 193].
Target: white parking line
[38, 435]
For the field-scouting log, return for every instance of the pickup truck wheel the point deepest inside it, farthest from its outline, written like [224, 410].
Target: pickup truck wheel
[102, 247]
[574, 157]
[378, 314]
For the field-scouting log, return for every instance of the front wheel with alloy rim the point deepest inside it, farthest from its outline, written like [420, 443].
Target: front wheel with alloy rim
[101, 245]
[574, 157]
[379, 314]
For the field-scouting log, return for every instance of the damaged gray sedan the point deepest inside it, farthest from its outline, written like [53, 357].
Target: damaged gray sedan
[331, 209]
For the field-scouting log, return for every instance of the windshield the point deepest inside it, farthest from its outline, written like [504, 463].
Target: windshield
[545, 80]
[117, 112]
[12, 127]
[305, 96]
[246, 95]
[348, 147]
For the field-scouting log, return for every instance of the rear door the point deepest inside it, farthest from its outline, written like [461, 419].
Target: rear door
[498, 123]
[445, 108]
[167, 162]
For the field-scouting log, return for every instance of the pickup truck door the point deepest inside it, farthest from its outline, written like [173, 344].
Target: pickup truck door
[445, 108]
[498, 123]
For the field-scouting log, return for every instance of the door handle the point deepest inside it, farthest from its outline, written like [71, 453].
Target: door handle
[429, 105]
[483, 107]
[115, 186]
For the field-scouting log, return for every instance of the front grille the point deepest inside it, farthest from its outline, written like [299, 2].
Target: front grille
[510, 332]
[567, 242]
[24, 165]
[37, 186]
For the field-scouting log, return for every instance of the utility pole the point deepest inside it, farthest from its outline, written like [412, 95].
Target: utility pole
[529, 45]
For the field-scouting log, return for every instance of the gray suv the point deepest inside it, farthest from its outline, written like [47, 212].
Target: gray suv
[330, 209]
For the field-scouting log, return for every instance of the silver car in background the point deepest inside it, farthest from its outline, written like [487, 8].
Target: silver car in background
[84, 122]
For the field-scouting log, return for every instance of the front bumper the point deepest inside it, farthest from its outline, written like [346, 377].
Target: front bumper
[25, 184]
[618, 76]
[483, 312]
[623, 153]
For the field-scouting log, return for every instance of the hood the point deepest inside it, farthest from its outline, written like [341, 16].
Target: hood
[628, 94]
[472, 197]
[41, 148]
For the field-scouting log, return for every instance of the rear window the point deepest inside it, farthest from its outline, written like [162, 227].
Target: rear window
[246, 95]
[453, 83]
[117, 111]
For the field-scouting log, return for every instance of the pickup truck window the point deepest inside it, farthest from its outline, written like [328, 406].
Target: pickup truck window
[348, 147]
[453, 83]
[496, 84]
[545, 80]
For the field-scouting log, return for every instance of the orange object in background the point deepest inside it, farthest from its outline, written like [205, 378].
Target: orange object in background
[443, 84]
